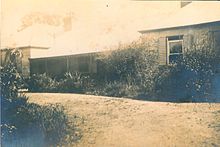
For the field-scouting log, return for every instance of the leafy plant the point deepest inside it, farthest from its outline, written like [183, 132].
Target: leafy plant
[132, 64]
[53, 122]
[42, 83]
[201, 61]
[19, 117]
[190, 79]
[117, 89]
[72, 82]
[10, 79]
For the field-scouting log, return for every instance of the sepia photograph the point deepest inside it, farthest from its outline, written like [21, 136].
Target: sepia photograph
[110, 73]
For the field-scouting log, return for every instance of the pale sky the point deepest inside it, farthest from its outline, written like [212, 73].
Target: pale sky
[95, 24]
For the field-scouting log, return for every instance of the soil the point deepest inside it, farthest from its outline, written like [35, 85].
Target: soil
[121, 122]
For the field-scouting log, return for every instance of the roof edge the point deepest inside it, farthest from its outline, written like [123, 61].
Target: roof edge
[28, 46]
[63, 56]
[161, 29]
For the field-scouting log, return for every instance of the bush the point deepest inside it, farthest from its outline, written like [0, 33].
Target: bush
[42, 83]
[18, 117]
[200, 67]
[132, 66]
[190, 79]
[53, 122]
[117, 89]
[72, 83]
[10, 79]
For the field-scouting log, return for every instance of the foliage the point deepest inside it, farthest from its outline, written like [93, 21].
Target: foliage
[200, 62]
[74, 82]
[132, 65]
[117, 89]
[42, 83]
[18, 116]
[71, 83]
[10, 79]
[190, 79]
[53, 122]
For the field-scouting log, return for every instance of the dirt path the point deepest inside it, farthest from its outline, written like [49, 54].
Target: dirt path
[116, 122]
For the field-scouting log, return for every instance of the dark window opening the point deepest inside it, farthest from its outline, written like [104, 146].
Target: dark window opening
[175, 48]
[179, 37]
[84, 64]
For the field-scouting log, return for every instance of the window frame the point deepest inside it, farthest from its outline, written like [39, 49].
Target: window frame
[168, 48]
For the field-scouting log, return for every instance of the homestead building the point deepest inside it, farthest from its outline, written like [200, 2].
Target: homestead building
[174, 36]
[182, 30]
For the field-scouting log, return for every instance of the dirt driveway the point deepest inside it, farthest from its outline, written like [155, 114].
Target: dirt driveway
[117, 122]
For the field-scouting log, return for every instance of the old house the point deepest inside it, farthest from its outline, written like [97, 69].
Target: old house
[182, 30]
[174, 35]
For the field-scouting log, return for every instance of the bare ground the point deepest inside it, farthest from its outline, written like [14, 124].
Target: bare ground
[117, 122]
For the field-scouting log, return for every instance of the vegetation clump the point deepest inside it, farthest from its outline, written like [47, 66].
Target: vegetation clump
[49, 123]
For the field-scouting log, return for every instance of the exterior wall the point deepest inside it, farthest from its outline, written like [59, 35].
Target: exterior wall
[3, 58]
[191, 34]
[57, 66]
[25, 62]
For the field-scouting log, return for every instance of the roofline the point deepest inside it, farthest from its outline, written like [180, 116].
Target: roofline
[29, 46]
[62, 56]
[176, 27]
[78, 54]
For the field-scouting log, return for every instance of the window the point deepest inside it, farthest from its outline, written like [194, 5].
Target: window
[175, 49]
[84, 64]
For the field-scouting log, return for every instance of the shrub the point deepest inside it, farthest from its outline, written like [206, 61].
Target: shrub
[10, 79]
[131, 65]
[200, 66]
[19, 117]
[53, 122]
[190, 79]
[72, 82]
[117, 89]
[42, 83]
